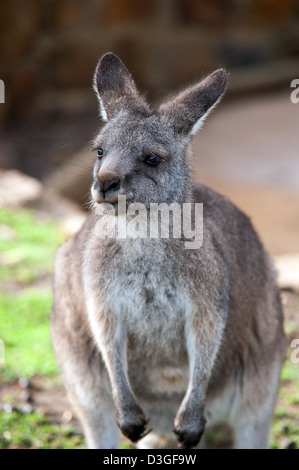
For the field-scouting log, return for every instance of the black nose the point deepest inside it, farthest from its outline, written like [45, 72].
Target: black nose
[108, 181]
[109, 185]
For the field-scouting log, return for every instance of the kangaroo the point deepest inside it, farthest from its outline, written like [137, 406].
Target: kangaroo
[152, 338]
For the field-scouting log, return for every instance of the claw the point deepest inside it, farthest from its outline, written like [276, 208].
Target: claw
[145, 433]
[187, 439]
[136, 429]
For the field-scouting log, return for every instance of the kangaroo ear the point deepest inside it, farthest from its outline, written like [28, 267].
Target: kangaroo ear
[188, 110]
[114, 86]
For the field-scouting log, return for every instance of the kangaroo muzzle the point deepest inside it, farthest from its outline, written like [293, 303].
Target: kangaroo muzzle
[108, 185]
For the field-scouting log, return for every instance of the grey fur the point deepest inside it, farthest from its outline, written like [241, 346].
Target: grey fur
[145, 329]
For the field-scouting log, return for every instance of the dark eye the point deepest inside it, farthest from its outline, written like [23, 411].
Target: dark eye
[152, 160]
[100, 153]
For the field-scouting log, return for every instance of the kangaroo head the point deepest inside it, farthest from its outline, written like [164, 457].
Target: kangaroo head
[141, 153]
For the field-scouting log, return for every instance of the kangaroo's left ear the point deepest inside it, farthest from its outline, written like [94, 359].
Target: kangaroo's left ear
[188, 110]
[114, 87]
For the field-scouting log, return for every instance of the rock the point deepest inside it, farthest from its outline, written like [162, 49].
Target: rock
[67, 416]
[23, 382]
[27, 409]
[17, 189]
[288, 271]
[8, 408]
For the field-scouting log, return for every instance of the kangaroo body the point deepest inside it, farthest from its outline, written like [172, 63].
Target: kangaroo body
[146, 329]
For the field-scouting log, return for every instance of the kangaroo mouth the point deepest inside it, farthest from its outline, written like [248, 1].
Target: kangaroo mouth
[112, 207]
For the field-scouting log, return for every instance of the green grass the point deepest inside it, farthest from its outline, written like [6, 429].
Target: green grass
[21, 430]
[284, 432]
[27, 249]
[290, 371]
[24, 320]
[27, 246]
[285, 427]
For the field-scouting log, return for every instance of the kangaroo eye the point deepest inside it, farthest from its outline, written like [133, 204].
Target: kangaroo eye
[100, 153]
[152, 160]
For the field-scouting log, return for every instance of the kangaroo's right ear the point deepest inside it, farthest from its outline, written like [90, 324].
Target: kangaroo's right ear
[114, 86]
[188, 110]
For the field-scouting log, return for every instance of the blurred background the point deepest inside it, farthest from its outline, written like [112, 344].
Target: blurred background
[247, 150]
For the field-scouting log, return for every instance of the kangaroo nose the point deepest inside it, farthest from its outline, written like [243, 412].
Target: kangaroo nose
[108, 181]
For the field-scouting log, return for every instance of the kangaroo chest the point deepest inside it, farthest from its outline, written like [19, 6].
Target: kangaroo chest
[148, 294]
[149, 298]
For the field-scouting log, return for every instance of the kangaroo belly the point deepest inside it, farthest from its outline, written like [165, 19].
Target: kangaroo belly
[153, 307]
